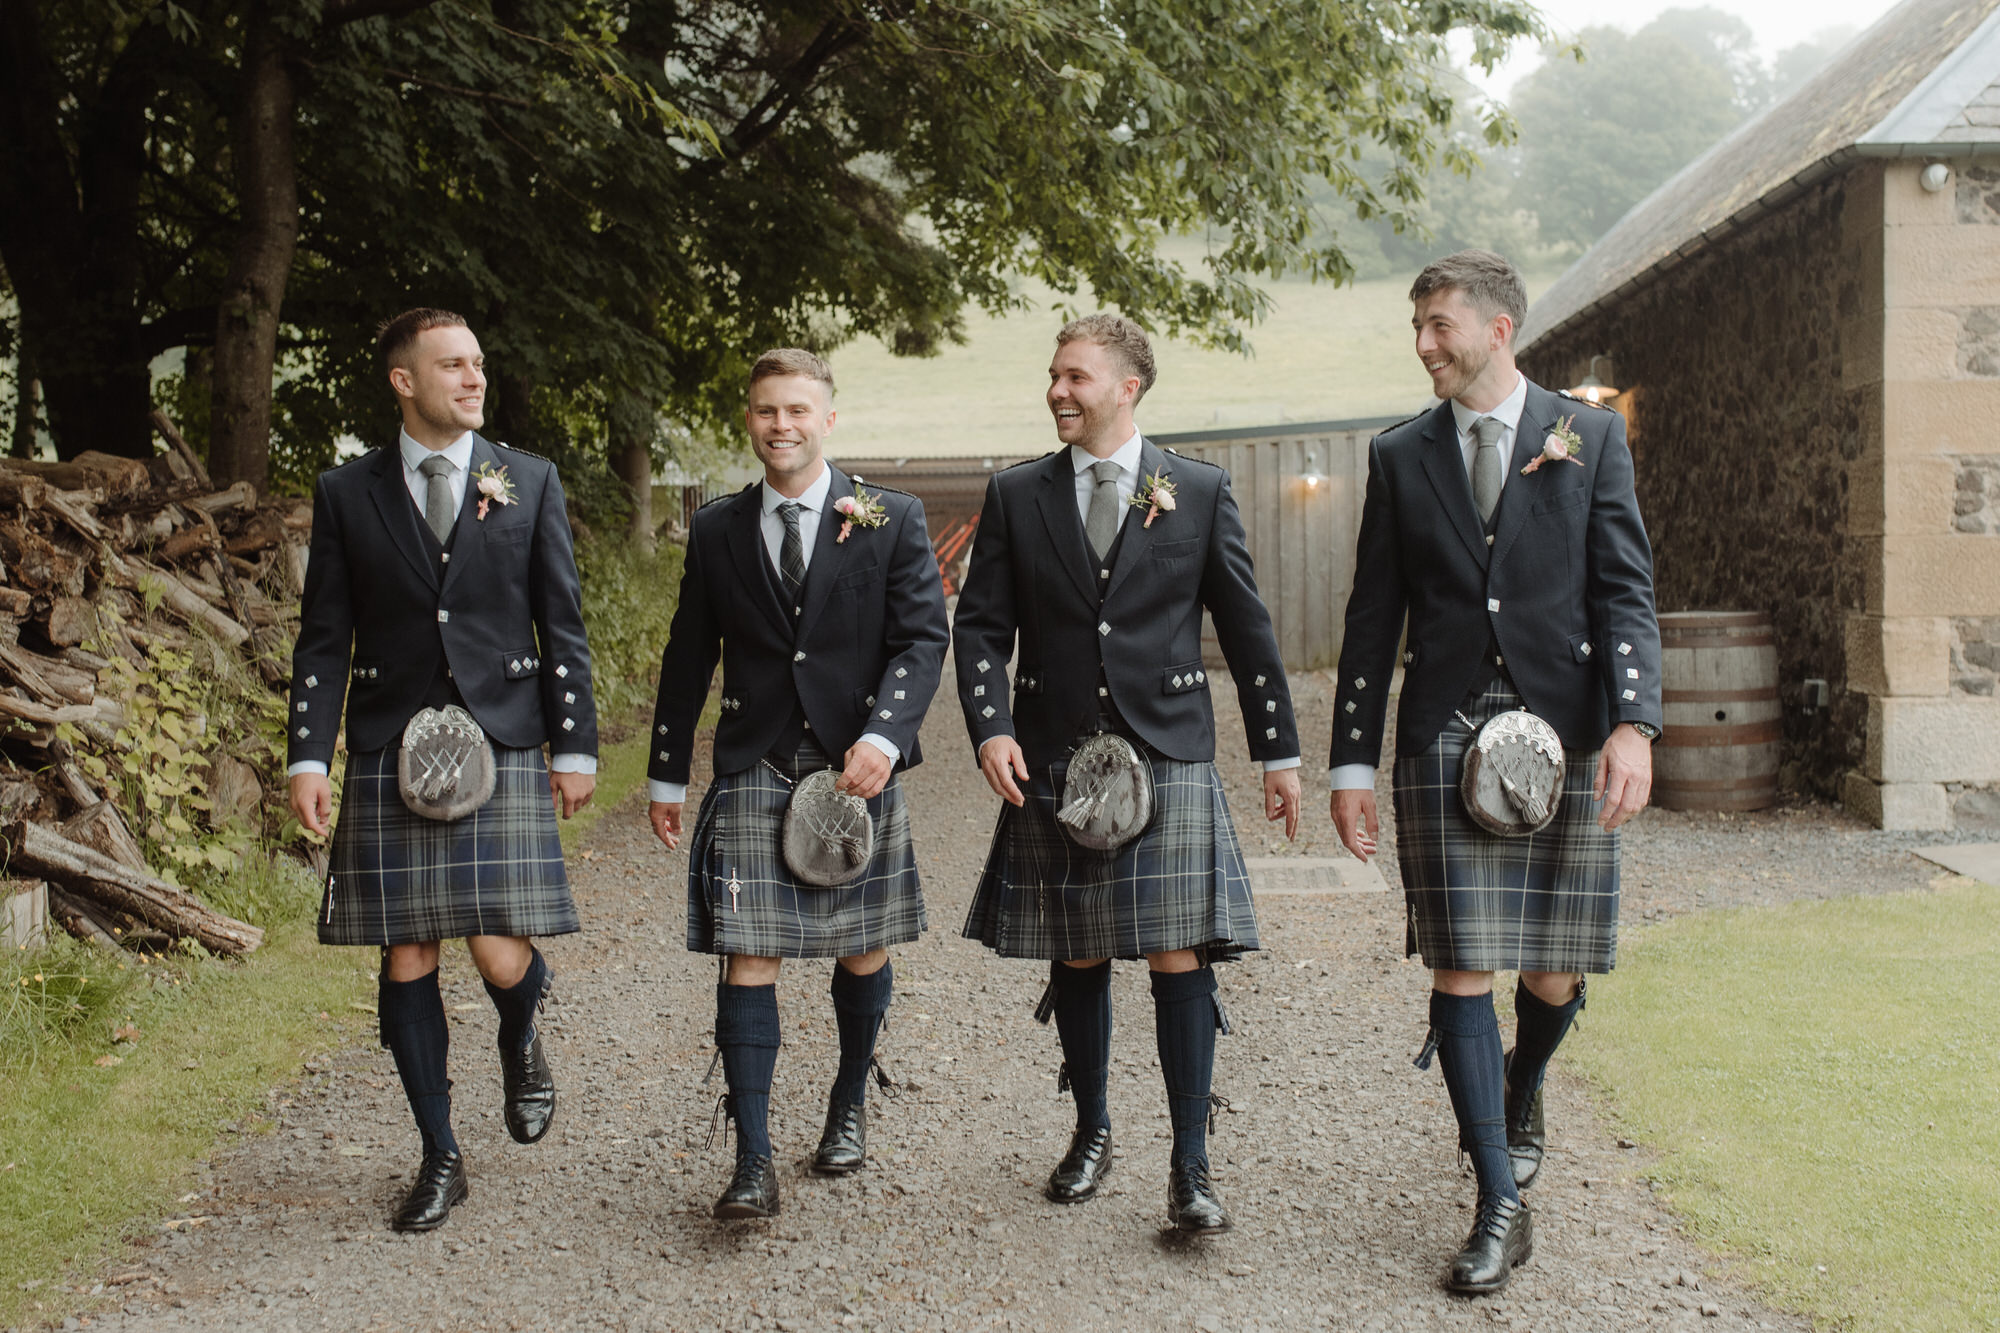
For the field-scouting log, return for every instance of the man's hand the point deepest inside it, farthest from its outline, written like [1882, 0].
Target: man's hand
[666, 818]
[571, 791]
[1624, 776]
[1281, 799]
[312, 801]
[1354, 819]
[1000, 759]
[867, 771]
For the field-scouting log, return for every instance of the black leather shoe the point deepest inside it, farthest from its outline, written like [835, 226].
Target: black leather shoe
[1526, 1136]
[752, 1192]
[440, 1187]
[843, 1144]
[1083, 1168]
[1192, 1204]
[530, 1089]
[1503, 1236]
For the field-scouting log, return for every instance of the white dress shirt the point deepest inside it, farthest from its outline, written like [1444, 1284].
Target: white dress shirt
[1361, 777]
[812, 504]
[459, 454]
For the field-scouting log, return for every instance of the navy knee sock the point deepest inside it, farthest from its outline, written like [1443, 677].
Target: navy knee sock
[517, 1003]
[1468, 1047]
[1083, 1021]
[746, 1032]
[1184, 1022]
[415, 1031]
[858, 1006]
[1539, 1028]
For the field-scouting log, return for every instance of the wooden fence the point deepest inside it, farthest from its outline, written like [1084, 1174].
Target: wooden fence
[1300, 487]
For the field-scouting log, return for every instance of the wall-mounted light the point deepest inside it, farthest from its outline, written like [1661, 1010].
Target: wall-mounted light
[1595, 387]
[1311, 478]
[1934, 177]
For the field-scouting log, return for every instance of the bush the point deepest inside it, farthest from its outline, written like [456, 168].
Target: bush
[629, 597]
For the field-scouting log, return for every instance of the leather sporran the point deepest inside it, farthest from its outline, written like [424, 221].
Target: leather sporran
[1107, 795]
[828, 836]
[1512, 778]
[446, 768]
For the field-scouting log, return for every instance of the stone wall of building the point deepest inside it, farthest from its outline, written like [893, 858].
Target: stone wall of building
[1755, 371]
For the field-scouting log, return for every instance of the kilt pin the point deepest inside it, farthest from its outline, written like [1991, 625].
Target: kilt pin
[852, 655]
[486, 617]
[1548, 606]
[1113, 642]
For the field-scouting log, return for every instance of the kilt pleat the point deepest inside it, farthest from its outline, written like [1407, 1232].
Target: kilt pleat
[1547, 902]
[738, 836]
[1181, 884]
[395, 877]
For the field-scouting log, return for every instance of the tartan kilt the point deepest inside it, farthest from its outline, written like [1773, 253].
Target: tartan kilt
[394, 877]
[1181, 884]
[738, 836]
[1547, 902]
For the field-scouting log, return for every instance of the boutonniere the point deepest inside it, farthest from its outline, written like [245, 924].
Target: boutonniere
[859, 509]
[495, 487]
[1155, 496]
[1562, 446]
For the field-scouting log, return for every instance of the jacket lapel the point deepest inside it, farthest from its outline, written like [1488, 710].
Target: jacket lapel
[1444, 464]
[1137, 538]
[399, 514]
[829, 553]
[1517, 497]
[468, 539]
[1057, 502]
[746, 548]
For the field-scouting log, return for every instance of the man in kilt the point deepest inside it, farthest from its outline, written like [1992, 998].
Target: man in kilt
[1097, 561]
[822, 600]
[1503, 527]
[442, 574]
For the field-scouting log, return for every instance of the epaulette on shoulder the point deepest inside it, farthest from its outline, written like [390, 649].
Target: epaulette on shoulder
[1190, 458]
[361, 457]
[1038, 458]
[878, 486]
[717, 500]
[516, 449]
[1404, 422]
[1602, 407]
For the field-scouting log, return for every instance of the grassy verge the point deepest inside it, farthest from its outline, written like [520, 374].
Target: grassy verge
[115, 1080]
[1819, 1081]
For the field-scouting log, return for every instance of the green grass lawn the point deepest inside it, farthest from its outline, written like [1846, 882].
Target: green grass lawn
[1819, 1080]
[1322, 354]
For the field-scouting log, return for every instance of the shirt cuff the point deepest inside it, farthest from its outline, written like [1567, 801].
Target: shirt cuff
[1351, 777]
[1003, 736]
[1278, 765]
[307, 766]
[666, 793]
[885, 745]
[573, 763]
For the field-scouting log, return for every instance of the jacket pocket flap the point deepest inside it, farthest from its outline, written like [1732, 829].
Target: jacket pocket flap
[1181, 679]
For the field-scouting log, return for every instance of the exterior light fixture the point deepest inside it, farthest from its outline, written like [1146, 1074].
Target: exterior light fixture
[1311, 477]
[1592, 388]
[1934, 177]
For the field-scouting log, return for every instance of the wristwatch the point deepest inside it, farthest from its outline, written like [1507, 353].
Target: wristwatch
[1646, 729]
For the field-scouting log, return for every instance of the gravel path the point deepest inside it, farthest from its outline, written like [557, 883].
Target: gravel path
[1335, 1157]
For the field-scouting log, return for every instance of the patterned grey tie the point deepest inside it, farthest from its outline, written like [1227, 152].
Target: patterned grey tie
[792, 553]
[437, 494]
[1486, 466]
[1100, 524]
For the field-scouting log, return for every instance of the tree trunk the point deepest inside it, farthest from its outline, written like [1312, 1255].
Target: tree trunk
[513, 420]
[26, 386]
[632, 460]
[246, 318]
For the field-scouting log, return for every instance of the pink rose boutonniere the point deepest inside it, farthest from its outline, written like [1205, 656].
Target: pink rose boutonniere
[859, 510]
[1562, 446]
[1155, 496]
[495, 487]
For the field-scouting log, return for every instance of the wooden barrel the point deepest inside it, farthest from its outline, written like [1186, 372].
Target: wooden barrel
[1719, 685]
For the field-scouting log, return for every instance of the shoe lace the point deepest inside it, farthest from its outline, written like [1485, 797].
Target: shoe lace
[1493, 1216]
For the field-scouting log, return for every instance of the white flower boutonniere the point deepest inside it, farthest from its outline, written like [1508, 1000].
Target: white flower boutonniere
[859, 510]
[1155, 496]
[1562, 446]
[495, 487]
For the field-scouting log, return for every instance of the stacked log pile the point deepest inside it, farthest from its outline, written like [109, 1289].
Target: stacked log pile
[103, 558]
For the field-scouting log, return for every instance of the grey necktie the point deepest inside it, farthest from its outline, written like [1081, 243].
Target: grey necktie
[437, 494]
[1486, 466]
[792, 554]
[1100, 524]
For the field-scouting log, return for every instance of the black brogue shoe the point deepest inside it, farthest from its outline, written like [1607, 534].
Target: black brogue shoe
[440, 1187]
[1502, 1239]
[1192, 1203]
[530, 1089]
[843, 1144]
[1083, 1168]
[752, 1192]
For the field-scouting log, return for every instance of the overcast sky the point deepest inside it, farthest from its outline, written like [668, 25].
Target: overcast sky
[1777, 23]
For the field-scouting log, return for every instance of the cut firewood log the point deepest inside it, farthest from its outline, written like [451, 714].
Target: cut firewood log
[118, 478]
[15, 603]
[84, 660]
[91, 874]
[34, 563]
[20, 491]
[22, 798]
[71, 621]
[240, 496]
[178, 599]
[186, 542]
[75, 916]
[104, 712]
[70, 774]
[260, 532]
[78, 508]
[102, 829]
[164, 424]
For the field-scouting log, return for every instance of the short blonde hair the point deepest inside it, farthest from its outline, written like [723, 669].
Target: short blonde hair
[792, 361]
